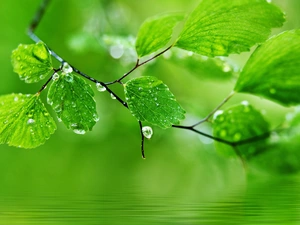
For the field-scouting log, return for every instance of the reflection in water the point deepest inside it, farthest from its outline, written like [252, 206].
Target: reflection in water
[265, 202]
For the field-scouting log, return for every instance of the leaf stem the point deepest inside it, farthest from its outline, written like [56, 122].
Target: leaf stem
[231, 143]
[137, 65]
[216, 109]
[143, 140]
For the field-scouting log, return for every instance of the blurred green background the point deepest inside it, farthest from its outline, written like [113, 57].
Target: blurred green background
[57, 182]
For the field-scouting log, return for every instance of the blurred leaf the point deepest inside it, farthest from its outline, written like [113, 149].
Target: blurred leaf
[72, 100]
[156, 32]
[219, 28]
[273, 70]
[149, 99]
[202, 66]
[239, 123]
[282, 154]
[25, 122]
[32, 62]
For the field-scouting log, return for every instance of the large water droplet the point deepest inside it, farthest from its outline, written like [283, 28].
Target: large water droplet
[30, 121]
[67, 68]
[16, 99]
[77, 129]
[55, 76]
[147, 132]
[100, 87]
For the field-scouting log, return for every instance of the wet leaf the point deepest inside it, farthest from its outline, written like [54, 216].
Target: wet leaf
[72, 100]
[32, 62]
[156, 32]
[203, 67]
[25, 122]
[219, 28]
[273, 70]
[149, 99]
[239, 123]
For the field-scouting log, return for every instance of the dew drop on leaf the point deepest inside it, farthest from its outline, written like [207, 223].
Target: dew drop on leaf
[55, 76]
[237, 136]
[79, 131]
[95, 117]
[69, 78]
[223, 133]
[30, 121]
[217, 114]
[147, 132]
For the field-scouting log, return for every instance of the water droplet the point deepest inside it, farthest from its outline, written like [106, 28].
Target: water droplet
[73, 104]
[237, 137]
[100, 87]
[18, 58]
[112, 96]
[272, 91]
[245, 103]
[42, 76]
[16, 99]
[147, 132]
[140, 88]
[55, 76]
[95, 117]
[116, 51]
[69, 78]
[155, 99]
[157, 104]
[217, 114]
[79, 131]
[5, 122]
[46, 114]
[223, 133]
[67, 68]
[226, 68]
[30, 121]
[59, 119]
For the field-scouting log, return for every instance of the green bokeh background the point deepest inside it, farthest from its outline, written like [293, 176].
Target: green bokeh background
[107, 160]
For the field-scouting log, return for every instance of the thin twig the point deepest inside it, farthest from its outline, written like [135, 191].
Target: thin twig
[137, 65]
[216, 109]
[142, 141]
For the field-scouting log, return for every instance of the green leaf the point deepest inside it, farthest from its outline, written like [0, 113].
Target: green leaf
[32, 62]
[239, 123]
[72, 100]
[202, 66]
[219, 28]
[149, 99]
[25, 122]
[281, 157]
[156, 32]
[273, 70]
